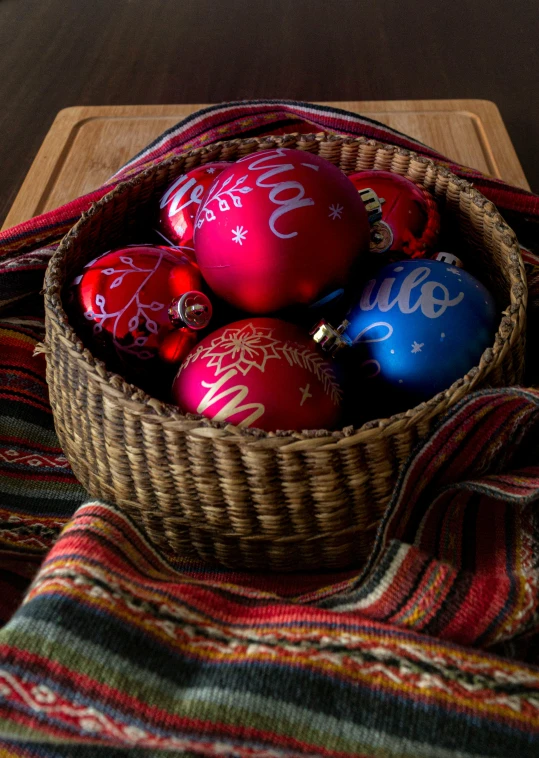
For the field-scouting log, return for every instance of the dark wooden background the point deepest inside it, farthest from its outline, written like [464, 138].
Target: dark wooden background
[56, 53]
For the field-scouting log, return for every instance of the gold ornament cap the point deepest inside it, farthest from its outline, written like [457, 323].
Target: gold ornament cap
[372, 203]
[330, 339]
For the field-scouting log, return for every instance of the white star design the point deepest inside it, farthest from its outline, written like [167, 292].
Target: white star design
[335, 211]
[210, 171]
[416, 346]
[239, 234]
[305, 393]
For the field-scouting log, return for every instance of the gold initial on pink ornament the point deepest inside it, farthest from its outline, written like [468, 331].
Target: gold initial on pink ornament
[260, 372]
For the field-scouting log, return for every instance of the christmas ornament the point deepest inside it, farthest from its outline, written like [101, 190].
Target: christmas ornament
[260, 372]
[416, 328]
[180, 203]
[125, 295]
[410, 221]
[278, 228]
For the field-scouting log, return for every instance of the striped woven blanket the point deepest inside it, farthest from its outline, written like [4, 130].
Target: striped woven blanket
[431, 649]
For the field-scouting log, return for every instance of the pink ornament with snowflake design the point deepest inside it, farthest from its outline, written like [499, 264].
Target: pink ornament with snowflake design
[121, 301]
[278, 228]
[260, 372]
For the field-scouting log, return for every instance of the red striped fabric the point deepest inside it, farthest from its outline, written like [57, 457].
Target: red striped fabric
[428, 649]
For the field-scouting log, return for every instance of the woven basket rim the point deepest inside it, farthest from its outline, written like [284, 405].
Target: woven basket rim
[117, 387]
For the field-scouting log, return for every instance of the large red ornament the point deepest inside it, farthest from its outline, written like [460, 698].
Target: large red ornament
[410, 222]
[122, 300]
[180, 203]
[278, 228]
[260, 372]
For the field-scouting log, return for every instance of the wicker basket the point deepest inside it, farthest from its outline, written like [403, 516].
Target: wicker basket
[247, 498]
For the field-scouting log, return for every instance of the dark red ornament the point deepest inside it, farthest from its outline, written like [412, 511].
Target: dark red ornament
[410, 222]
[279, 228]
[180, 203]
[260, 372]
[123, 299]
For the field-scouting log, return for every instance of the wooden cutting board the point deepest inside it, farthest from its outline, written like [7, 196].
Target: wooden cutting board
[86, 145]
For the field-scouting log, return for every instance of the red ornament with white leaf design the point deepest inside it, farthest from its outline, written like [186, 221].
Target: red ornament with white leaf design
[179, 204]
[278, 228]
[260, 372]
[122, 302]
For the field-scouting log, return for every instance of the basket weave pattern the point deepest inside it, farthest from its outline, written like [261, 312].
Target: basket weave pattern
[247, 498]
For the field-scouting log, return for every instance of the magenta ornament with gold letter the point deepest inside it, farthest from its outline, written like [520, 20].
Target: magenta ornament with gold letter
[260, 372]
[278, 228]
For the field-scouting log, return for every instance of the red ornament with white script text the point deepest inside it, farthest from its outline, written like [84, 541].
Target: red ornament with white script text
[180, 203]
[278, 228]
[260, 372]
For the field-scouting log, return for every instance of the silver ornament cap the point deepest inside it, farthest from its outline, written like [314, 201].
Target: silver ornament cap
[193, 309]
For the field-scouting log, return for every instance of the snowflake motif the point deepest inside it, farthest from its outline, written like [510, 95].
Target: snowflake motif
[210, 171]
[335, 211]
[240, 349]
[416, 346]
[239, 234]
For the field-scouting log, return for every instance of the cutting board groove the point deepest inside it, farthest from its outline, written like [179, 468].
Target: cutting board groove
[87, 144]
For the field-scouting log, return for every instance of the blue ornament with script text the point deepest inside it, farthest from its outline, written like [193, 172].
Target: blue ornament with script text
[419, 326]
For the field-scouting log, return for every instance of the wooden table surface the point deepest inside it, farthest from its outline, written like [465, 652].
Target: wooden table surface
[58, 53]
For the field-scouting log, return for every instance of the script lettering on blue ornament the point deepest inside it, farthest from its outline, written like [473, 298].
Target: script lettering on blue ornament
[361, 337]
[431, 305]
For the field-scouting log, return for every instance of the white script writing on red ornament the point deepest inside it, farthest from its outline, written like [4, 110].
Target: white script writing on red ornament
[234, 405]
[431, 305]
[280, 188]
[177, 192]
